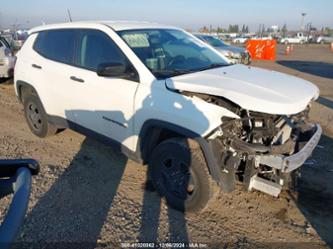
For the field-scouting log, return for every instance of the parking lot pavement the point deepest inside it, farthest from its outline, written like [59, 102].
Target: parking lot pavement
[87, 194]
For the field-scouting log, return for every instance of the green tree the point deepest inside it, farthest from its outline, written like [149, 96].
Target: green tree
[233, 28]
[220, 30]
[204, 29]
[243, 29]
[284, 30]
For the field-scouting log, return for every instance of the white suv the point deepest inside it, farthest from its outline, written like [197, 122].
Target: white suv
[167, 99]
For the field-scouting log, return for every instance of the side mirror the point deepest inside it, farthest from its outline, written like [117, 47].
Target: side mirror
[114, 69]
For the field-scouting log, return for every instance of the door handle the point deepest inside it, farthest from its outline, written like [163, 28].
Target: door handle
[76, 79]
[36, 66]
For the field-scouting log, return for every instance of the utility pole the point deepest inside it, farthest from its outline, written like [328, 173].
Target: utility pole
[69, 15]
[302, 20]
[0, 22]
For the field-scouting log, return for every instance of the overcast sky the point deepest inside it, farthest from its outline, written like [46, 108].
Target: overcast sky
[191, 14]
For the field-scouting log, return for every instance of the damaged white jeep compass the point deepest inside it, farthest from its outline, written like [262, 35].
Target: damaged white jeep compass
[166, 99]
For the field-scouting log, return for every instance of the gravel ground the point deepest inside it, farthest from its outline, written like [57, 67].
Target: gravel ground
[88, 195]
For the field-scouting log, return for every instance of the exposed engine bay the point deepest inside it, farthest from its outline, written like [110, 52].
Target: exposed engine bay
[262, 151]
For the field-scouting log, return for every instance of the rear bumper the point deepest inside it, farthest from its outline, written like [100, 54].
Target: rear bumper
[289, 163]
[7, 67]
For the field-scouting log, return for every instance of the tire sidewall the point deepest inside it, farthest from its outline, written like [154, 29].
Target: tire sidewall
[35, 100]
[201, 195]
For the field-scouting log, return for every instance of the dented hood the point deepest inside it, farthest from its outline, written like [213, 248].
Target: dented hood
[251, 88]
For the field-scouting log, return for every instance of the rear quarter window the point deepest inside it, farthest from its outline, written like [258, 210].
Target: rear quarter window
[57, 45]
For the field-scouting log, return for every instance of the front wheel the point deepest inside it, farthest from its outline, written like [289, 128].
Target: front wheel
[180, 174]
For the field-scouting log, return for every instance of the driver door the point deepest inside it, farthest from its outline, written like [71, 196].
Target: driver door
[102, 104]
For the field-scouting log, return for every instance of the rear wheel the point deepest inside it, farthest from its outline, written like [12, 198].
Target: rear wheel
[36, 117]
[180, 174]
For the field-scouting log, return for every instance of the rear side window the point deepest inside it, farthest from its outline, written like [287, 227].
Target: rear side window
[94, 48]
[57, 45]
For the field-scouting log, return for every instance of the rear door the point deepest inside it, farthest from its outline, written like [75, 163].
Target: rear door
[52, 68]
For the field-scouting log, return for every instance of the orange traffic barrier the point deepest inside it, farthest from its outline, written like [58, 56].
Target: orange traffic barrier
[287, 52]
[261, 49]
[331, 46]
[291, 47]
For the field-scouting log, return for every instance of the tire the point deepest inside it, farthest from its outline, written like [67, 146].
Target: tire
[179, 173]
[36, 118]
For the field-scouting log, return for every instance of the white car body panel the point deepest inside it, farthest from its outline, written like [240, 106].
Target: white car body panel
[115, 25]
[251, 88]
[154, 101]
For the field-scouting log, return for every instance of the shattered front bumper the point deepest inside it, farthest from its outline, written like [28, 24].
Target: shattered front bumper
[289, 163]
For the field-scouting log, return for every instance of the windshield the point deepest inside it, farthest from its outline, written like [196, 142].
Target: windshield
[215, 42]
[169, 52]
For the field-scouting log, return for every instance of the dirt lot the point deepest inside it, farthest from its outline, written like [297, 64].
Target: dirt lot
[88, 195]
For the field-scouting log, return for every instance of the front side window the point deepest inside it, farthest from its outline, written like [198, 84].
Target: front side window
[57, 45]
[170, 52]
[95, 48]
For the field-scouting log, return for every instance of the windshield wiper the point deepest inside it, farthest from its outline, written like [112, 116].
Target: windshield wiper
[178, 71]
[170, 73]
[211, 66]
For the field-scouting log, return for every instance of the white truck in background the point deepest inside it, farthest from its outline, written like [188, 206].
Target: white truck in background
[299, 38]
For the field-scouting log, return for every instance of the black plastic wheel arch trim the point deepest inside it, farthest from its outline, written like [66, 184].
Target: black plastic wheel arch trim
[206, 146]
